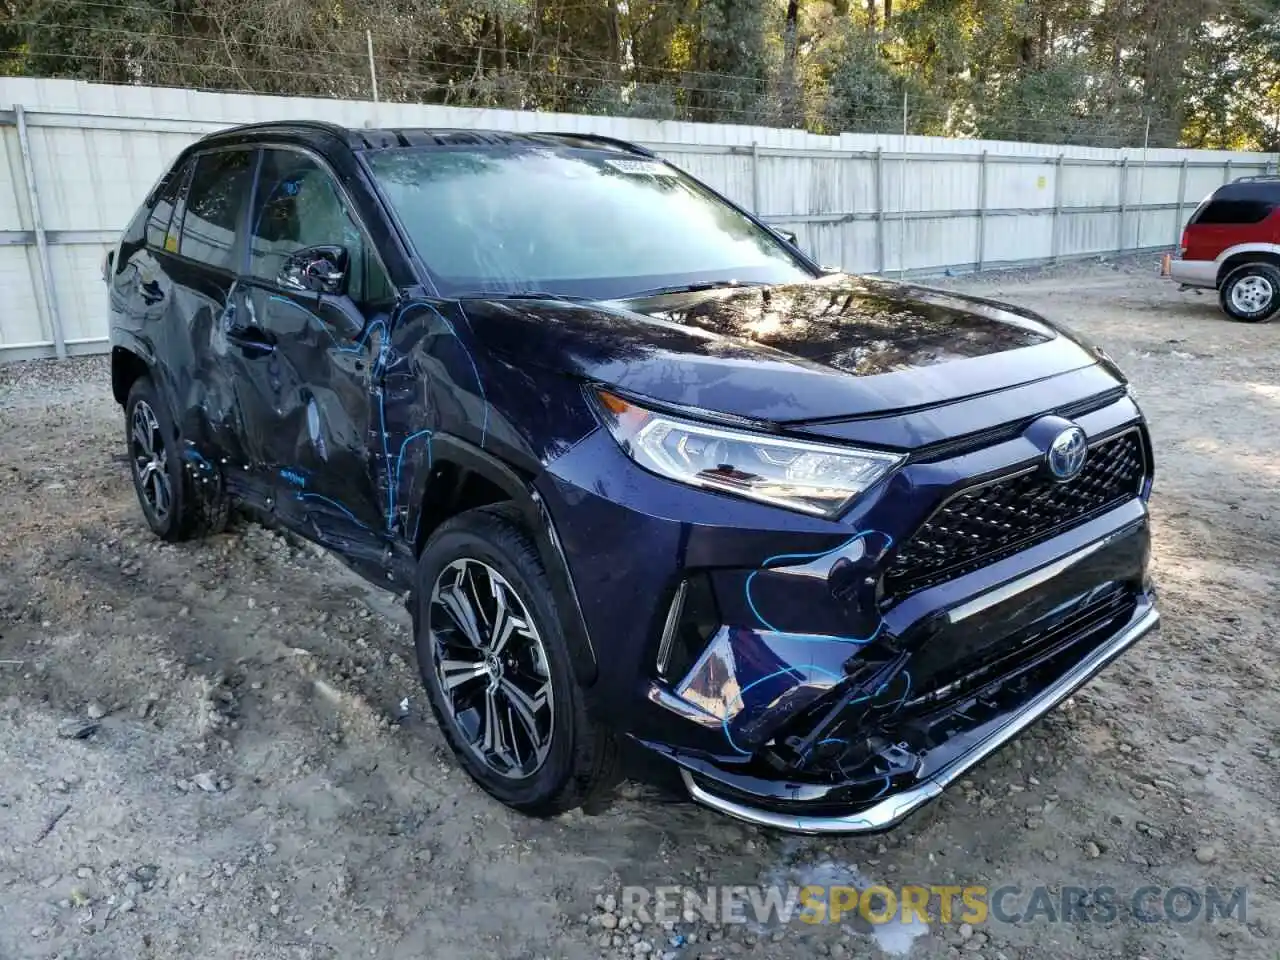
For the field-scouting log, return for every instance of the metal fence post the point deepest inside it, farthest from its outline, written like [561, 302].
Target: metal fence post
[1182, 196]
[373, 70]
[1226, 171]
[1055, 240]
[843, 225]
[755, 177]
[881, 266]
[982, 210]
[1124, 190]
[37, 225]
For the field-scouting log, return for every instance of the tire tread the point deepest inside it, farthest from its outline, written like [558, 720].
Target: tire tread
[1254, 266]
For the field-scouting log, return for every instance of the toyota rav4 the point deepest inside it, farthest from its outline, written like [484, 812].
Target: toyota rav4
[649, 476]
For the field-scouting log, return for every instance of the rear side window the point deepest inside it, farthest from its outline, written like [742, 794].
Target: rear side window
[1233, 211]
[219, 186]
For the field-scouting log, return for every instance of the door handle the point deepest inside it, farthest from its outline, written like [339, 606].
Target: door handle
[151, 292]
[252, 339]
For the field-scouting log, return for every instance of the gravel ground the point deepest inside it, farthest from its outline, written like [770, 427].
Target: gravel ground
[258, 778]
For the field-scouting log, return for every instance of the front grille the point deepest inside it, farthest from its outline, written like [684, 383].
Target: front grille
[986, 523]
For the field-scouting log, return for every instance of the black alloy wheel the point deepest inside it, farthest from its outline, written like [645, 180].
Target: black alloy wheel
[492, 667]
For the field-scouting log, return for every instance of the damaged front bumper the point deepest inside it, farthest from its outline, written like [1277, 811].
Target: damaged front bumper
[912, 713]
[977, 743]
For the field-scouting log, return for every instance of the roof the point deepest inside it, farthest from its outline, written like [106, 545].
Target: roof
[1250, 188]
[378, 139]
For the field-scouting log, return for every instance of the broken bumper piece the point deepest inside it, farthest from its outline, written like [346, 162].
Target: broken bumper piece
[926, 748]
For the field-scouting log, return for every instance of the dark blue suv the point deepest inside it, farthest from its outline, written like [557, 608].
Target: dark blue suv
[653, 479]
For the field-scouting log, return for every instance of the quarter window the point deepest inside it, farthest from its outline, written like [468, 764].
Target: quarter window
[218, 187]
[1234, 211]
[162, 211]
[297, 206]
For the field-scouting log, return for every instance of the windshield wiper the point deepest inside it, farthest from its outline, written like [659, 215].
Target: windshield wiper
[691, 288]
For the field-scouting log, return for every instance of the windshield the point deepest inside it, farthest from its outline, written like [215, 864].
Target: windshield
[570, 222]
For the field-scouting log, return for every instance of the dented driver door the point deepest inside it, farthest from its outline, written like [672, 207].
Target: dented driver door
[326, 353]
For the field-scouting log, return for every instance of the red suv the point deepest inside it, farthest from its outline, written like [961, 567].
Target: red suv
[1232, 244]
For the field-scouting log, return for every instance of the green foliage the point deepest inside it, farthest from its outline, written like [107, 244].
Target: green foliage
[857, 87]
[1045, 105]
[1101, 72]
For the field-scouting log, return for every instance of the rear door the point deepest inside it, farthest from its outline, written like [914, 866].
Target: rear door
[202, 247]
[325, 441]
[172, 292]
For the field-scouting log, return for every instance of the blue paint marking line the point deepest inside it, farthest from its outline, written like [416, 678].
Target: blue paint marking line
[896, 707]
[794, 671]
[802, 557]
[393, 474]
[356, 345]
[887, 781]
[856, 641]
[332, 503]
[484, 426]
[193, 454]
[395, 485]
[905, 693]
[386, 453]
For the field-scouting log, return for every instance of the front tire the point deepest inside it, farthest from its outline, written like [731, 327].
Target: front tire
[171, 503]
[1251, 293]
[497, 670]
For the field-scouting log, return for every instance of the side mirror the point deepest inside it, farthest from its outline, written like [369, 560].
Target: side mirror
[786, 235]
[316, 270]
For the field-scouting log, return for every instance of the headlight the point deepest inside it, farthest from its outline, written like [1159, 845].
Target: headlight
[810, 477]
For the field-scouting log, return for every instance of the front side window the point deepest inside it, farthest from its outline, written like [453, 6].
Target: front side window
[297, 206]
[219, 186]
[572, 222]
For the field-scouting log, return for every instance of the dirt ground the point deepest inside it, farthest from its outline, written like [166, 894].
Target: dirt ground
[263, 783]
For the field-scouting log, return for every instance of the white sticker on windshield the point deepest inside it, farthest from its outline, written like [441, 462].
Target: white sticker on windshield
[642, 168]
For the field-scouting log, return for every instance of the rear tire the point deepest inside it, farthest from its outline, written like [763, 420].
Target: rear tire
[175, 505]
[1251, 293]
[505, 696]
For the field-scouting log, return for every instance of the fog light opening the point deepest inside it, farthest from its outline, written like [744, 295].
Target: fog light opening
[670, 627]
[688, 625]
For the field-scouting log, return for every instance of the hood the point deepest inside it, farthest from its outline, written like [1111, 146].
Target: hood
[838, 347]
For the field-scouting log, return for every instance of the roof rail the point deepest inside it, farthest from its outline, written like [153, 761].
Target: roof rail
[1260, 177]
[624, 145]
[323, 126]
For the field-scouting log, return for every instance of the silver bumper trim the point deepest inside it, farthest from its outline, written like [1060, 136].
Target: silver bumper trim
[1194, 273]
[893, 809]
[1034, 579]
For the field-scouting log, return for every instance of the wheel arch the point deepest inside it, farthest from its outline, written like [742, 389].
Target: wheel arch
[462, 477]
[1244, 254]
[127, 367]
